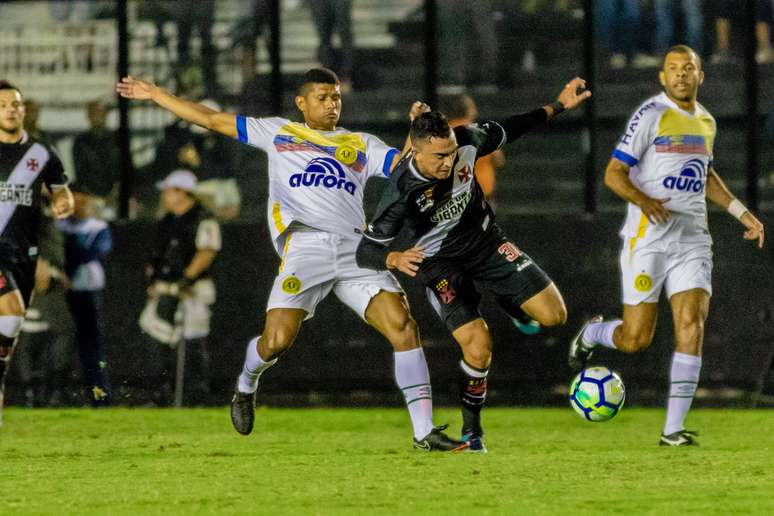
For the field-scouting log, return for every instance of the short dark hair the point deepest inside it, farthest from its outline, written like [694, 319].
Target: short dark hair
[5, 85]
[682, 49]
[317, 75]
[432, 124]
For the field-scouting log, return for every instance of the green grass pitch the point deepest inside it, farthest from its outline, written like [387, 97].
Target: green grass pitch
[360, 461]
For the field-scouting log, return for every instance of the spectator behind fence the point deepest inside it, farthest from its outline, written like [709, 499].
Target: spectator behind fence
[621, 32]
[667, 13]
[88, 243]
[253, 22]
[335, 17]
[32, 109]
[461, 110]
[208, 155]
[96, 158]
[467, 28]
[725, 13]
[182, 291]
[43, 355]
[189, 16]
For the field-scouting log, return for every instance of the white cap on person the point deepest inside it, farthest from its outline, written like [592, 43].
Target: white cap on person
[181, 179]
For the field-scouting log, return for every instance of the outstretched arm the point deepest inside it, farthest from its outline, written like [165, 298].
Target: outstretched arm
[224, 123]
[617, 179]
[573, 95]
[718, 193]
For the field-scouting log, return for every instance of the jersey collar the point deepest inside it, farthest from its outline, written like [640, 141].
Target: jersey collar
[415, 172]
[671, 103]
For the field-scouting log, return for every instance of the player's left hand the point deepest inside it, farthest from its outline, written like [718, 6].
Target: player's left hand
[754, 228]
[574, 93]
[62, 204]
[417, 108]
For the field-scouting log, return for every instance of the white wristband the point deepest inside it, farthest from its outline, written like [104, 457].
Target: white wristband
[737, 209]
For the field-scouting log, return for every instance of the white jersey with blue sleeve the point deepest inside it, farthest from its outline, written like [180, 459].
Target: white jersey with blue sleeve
[316, 177]
[669, 152]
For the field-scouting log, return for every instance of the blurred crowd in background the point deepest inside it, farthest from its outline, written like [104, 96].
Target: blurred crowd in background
[491, 52]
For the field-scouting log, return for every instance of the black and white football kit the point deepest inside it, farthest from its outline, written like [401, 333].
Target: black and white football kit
[465, 252]
[25, 167]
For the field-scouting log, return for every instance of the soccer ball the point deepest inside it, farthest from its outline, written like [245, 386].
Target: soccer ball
[597, 394]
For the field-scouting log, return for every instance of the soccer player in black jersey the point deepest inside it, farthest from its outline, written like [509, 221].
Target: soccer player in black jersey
[27, 169]
[459, 250]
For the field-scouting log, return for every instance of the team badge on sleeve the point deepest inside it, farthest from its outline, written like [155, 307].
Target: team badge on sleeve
[291, 285]
[643, 282]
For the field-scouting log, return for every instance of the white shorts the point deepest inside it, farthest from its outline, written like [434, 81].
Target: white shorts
[316, 262]
[677, 266]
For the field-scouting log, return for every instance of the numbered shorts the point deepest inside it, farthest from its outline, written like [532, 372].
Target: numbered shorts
[314, 263]
[454, 287]
[673, 266]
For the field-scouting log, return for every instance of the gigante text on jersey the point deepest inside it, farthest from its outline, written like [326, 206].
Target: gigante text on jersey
[17, 194]
[451, 208]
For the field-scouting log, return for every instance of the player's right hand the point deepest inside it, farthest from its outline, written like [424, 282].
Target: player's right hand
[654, 209]
[753, 228]
[417, 108]
[407, 261]
[131, 88]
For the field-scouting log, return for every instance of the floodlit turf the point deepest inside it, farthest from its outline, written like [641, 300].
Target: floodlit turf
[360, 461]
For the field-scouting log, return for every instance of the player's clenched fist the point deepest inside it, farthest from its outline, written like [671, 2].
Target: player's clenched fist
[417, 108]
[62, 204]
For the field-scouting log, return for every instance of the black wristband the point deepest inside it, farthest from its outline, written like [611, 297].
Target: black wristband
[558, 107]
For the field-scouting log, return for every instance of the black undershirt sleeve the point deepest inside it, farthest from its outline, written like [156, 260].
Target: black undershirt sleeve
[372, 254]
[390, 216]
[517, 125]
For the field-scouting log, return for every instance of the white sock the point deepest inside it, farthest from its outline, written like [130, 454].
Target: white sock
[600, 334]
[253, 367]
[684, 378]
[413, 379]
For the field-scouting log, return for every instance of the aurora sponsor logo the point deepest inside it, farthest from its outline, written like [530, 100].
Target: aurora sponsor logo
[451, 208]
[323, 173]
[691, 178]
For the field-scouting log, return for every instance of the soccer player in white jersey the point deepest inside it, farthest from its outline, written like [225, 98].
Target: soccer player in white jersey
[317, 173]
[663, 168]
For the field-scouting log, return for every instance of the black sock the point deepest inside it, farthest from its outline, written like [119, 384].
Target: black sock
[472, 397]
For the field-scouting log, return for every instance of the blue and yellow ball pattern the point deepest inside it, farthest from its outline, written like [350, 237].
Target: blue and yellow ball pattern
[597, 394]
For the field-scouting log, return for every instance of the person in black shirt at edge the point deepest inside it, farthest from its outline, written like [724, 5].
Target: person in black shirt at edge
[28, 168]
[188, 241]
[459, 250]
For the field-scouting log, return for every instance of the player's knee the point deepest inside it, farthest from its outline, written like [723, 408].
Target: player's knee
[689, 323]
[404, 334]
[556, 317]
[10, 326]
[478, 356]
[634, 341]
[478, 349]
[274, 342]
[689, 328]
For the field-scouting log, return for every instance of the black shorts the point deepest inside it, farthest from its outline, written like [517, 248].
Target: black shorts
[18, 276]
[454, 286]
